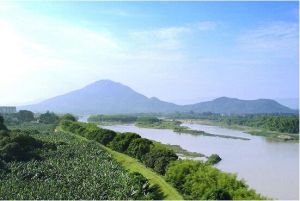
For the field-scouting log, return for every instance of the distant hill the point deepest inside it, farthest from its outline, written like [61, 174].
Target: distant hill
[108, 97]
[236, 106]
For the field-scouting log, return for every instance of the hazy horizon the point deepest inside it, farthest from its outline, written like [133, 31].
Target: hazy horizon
[180, 52]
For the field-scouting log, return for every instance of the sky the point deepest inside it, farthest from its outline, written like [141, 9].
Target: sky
[181, 52]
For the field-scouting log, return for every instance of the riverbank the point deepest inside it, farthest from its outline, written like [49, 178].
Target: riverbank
[176, 127]
[270, 135]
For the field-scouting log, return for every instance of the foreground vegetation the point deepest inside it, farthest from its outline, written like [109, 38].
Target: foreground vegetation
[38, 163]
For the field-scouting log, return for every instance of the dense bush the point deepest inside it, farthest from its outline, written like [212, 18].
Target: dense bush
[2, 126]
[18, 146]
[213, 159]
[121, 142]
[68, 117]
[144, 190]
[199, 181]
[139, 147]
[159, 158]
[48, 118]
[25, 116]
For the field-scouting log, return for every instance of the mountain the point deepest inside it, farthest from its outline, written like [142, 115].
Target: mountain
[227, 105]
[108, 97]
[103, 96]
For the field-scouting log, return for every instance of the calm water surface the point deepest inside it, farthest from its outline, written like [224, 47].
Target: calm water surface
[271, 168]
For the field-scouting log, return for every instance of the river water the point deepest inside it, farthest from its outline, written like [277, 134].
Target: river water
[271, 168]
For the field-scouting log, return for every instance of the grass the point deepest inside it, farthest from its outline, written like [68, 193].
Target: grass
[133, 165]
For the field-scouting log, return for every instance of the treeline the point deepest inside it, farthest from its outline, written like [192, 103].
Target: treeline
[25, 116]
[195, 180]
[284, 123]
[112, 118]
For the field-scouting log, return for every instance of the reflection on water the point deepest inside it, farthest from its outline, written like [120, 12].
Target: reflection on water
[269, 167]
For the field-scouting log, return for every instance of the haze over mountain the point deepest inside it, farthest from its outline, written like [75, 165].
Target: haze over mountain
[110, 97]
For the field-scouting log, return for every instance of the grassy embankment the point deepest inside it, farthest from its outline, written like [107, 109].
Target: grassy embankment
[270, 135]
[133, 165]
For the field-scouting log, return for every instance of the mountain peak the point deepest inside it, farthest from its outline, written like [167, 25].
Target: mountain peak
[108, 97]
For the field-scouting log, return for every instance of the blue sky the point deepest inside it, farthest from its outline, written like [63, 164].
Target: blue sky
[177, 51]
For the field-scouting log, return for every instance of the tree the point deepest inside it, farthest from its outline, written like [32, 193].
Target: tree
[68, 117]
[121, 142]
[48, 118]
[25, 116]
[159, 159]
[2, 126]
[139, 147]
[213, 159]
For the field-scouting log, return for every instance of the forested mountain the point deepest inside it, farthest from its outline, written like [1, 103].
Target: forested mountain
[110, 97]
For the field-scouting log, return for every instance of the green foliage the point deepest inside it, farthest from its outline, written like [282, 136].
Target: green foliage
[75, 170]
[48, 118]
[143, 189]
[68, 117]
[112, 118]
[19, 117]
[2, 126]
[213, 159]
[139, 147]
[17, 146]
[159, 158]
[200, 181]
[121, 142]
[25, 116]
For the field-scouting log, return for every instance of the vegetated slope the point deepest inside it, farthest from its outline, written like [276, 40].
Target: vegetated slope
[108, 97]
[66, 168]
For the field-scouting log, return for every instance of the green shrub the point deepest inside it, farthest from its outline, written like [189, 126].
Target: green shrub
[18, 147]
[68, 117]
[143, 190]
[48, 118]
[213, 159]
[139, 147]
[200, 181]
[159, 159]
[121, 142]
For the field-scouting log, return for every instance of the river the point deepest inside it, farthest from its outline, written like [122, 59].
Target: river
[271, 168]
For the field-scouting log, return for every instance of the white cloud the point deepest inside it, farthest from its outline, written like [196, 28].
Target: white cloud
[275, 37]
[170, 37]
